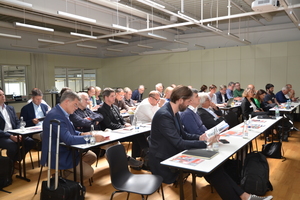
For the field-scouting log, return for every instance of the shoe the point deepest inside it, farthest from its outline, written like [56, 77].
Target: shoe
[134, 163]
[254, 197]
[16, 165]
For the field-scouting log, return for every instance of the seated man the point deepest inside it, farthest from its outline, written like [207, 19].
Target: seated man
[291, 93]
[127, 98]
[280, 96]
[229, 91]
[34, 112]
[68, 104]
[190, 120]
[147, 108]
[119, 101]
[221, 95]
[92, 95]
[270, 98]
[238, 92]
[160, 88]
[210, 117]
[8, 121]
[168, 139]
[43, 101]
[113, 120]
[83, 117]
[137, 95]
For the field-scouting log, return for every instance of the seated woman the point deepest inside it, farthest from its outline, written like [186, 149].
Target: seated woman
[248, 105]
[259, 100]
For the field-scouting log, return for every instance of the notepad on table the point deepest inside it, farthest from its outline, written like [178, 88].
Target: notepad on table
[203, 153]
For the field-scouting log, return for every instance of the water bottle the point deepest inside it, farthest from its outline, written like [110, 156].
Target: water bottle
[22, 124]
[215, 145]
[136, 125]
[245, 130]
[249, 123]
[277, 111]
[288, 104]
[92, 139]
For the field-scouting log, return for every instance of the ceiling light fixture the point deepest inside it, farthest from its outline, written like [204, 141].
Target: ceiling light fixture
[233, 35]
[124, 28]
[10, 36]
[83, 35]
[34, 27]
[116, 50]
[17, 3]
[151, 3]
[209, 26]
[51, 41]
[187, 17]
[144, 46]
[198, 45]
[73, 16]
[246, 41]
[118, 41]
[181, 42]
[157, 36]
[87, 46]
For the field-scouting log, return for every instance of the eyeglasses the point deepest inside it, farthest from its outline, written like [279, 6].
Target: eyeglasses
[155, 98]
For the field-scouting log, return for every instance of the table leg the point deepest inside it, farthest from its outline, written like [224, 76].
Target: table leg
[74, 164]
[194, 186]
[81, 168]
[22, 160]
[181, 185]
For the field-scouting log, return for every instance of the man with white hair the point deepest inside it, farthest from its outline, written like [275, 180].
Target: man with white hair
[280, 96]
[160, 88]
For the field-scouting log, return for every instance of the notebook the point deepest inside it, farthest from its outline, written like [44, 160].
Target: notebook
[203, 153]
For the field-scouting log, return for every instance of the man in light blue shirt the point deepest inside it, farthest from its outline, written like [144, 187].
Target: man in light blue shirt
[229, 91]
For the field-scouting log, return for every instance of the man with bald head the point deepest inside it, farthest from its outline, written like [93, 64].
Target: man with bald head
[137, 95]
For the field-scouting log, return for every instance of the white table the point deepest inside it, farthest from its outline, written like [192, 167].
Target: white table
[225, 151]
[26, 132]
[282, 107]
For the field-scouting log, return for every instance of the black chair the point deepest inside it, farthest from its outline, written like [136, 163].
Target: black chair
[124, 181]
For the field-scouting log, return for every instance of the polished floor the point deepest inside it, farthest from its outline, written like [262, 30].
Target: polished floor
[283, 175]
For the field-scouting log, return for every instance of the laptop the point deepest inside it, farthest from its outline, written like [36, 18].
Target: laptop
[229, 102]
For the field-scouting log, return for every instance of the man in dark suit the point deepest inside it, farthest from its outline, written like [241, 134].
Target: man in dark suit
[168, 138]
[8, 121]
[210, 117]
[35, 111]
[68, 104]
[221, 95]
[137, 95]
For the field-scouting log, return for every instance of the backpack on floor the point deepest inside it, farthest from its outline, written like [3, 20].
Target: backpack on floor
[255, 174]
[6, 172]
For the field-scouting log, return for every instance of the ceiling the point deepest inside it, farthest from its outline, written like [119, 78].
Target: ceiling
[237, 22]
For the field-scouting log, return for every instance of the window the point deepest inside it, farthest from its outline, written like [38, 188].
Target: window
[13, 80]
[74, 78]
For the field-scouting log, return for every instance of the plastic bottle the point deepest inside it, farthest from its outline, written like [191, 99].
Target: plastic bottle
[245, 130]
[249, 123]
[277, 114]
[92, 139]
[22, 124]
[215, 145]
[288, 104]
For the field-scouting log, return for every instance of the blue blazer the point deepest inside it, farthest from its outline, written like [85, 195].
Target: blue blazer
[168, 138]
[27, 112]
[219, 97]
[137, 96]
[68, 135]
[281, 97]
[15, 123]
[192, 122]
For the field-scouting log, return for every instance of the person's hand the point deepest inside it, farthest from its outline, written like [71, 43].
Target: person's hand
[203, 137]
[35, 121]
[100, 138]
[127, 125]
[123, 111]
[213, 105]
[213, 139]
[15, 138]
[88, 118]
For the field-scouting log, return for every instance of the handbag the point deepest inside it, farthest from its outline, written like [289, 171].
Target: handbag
[273, 150]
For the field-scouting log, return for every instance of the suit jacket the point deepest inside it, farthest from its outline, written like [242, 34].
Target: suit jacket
[68, 135]
[15, 123]
[192, 122]
[219, 97]
[27, 112]
[281, 97]
[137, 96]
[208, 119]
[109, 120]
[168, 138]
[248, 110]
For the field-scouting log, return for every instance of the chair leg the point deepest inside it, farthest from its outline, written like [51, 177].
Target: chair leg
[143, 197]
[128, 193]
[162, 192]
[31, 160]
[38, 182]
[128, 147]
[38, 154]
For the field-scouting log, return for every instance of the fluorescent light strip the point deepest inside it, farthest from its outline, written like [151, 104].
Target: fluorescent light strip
[23, 46]
[118, 41]
[50, 41]
[144, 46]
[181, 42]
[10, 36]
[164, 51]
[187, 17]
[124, 28]
[17, 3]
[232, 35]
[83, 35]
[76, 17]
[151, 3]
[87, 46]
[214, 28]
[34, 27]
[197, 45]
[246, 41]
[157, 36]
[116, 50]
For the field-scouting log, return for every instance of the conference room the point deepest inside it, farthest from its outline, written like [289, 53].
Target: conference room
[256, 46]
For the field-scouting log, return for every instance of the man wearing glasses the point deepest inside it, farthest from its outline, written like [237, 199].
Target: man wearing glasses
[148, 107]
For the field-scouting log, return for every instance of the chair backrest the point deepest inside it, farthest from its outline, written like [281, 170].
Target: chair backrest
[231, 119]
[118, 164]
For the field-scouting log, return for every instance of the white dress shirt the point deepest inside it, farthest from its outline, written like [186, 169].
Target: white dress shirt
[4, 112]
[145, 112]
